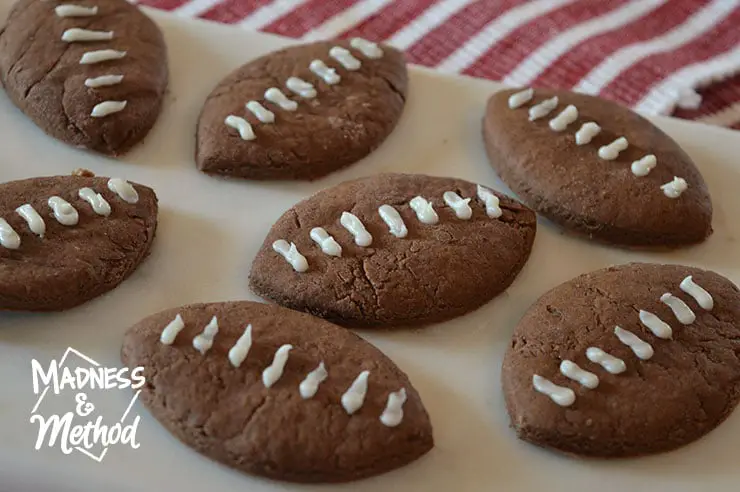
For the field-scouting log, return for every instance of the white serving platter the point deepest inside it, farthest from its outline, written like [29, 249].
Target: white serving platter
[210, 229]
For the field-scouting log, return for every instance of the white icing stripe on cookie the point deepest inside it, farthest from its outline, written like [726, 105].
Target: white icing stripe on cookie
[458, 204]
[424, 210]
[564, 397]
[98, 56]
[272, 374]
[683, 312]
[9, 239]
[393, 413]
[75, 11]
[326, 242]
[587, 132]
[356, 228]
[701, 296]
[103, 81]
[611, 151]
[301, 87]
[289, 251]
[328, 75]
[310, 385]
[241, 125]
[171, 331]
[393, 220]
[106, 108]
[565, 118]
[543, 109]
[204, 340]
[276, 96]
[367, 48]
[491, 201]
[63, 211]
[657, 326]
[520, 98]
[32, 218]
[76, 34]
[641, 348]
[675, 188]
[571, 370]
[345, 58]
[643, 166]
[354, 397]
[611, 364]
[260, 112]
[123, 189]
[240, 350]
[99, 204]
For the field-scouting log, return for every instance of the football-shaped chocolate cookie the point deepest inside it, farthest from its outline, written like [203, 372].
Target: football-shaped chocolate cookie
[625, 361]
[67, 239]
[394, 249]
[302, 112]
[277, 393]
[597, 168]
[91, 73]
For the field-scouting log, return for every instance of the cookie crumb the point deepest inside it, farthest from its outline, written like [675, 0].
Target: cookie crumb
[86, 173]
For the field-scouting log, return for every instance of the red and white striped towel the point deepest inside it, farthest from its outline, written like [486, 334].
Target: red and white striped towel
[657, 56]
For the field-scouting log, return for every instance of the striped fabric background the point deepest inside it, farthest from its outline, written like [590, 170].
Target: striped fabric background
[678, 57]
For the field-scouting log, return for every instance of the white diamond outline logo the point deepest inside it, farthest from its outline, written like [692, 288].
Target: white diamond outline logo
[95, 363]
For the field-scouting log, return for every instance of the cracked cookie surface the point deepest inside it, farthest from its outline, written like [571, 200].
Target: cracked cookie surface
[435, 273]
[575, 188]
[70, 265]
[686, 389]
[43, 75]
[343, 123]
[227, 413]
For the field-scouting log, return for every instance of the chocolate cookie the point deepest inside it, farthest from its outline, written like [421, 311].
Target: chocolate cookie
[626, 361]
[394, 249]
[67, 239]
[596, 168]
[277, 393]
[92, 74]
[302, 112]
